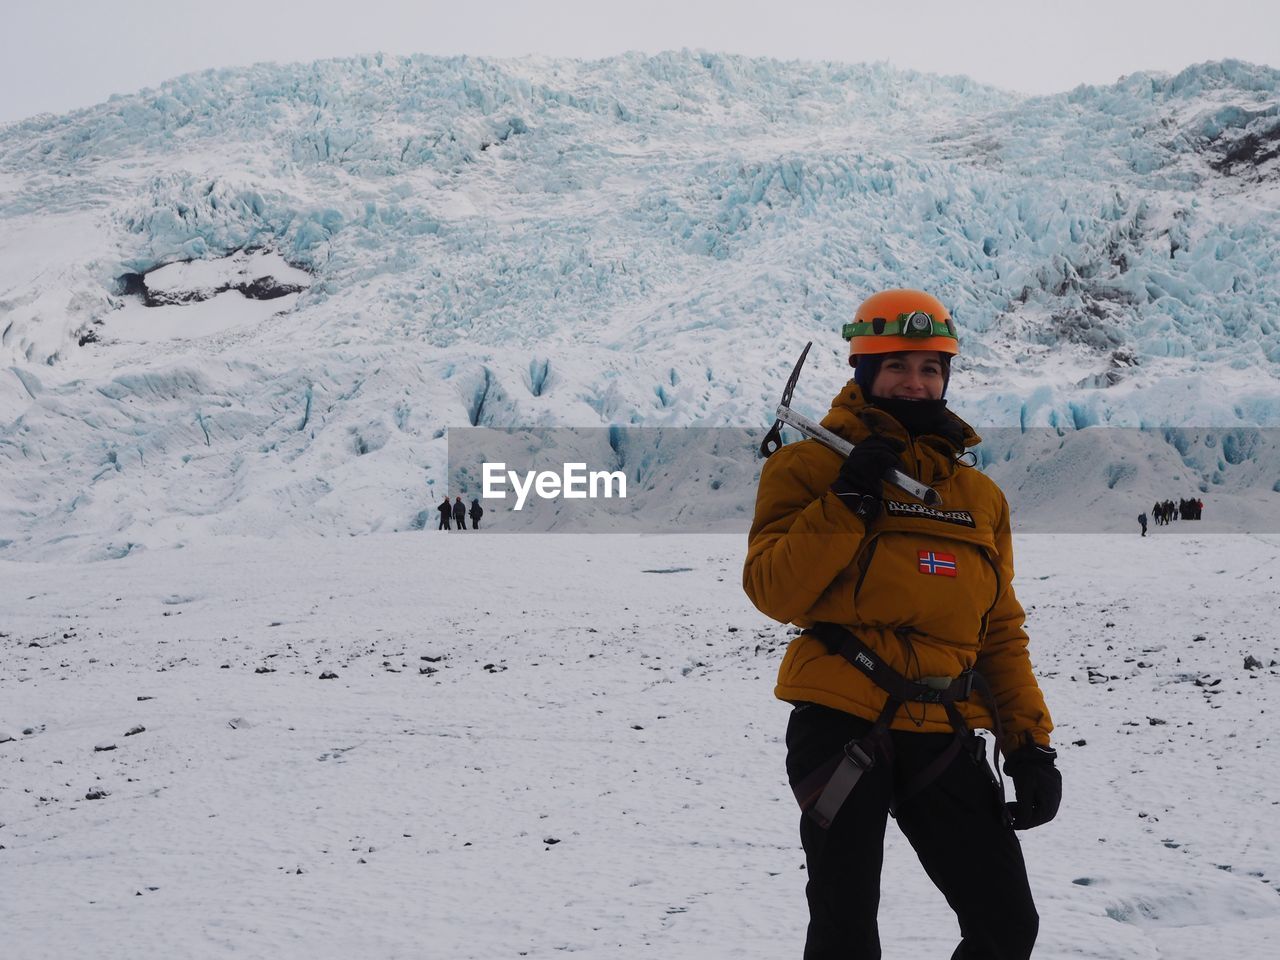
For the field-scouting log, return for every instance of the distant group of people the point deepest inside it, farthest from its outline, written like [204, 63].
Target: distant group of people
[1166, 511]
[457, 512]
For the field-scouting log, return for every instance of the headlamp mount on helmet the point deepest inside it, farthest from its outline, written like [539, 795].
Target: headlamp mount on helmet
[916, 324]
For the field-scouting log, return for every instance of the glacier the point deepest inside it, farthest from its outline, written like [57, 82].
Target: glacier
[636, 242]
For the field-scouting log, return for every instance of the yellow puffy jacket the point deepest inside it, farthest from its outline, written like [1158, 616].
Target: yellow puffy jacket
[929, 590]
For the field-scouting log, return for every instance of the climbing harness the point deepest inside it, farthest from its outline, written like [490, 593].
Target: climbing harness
[823, 792]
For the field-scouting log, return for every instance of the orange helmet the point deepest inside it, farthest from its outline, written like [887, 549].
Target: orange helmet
[896, 320]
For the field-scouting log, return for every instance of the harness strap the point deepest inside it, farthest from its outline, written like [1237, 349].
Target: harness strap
[839, 640]
[940, 762]
[822, 794]
[857, 758]
[984, 688]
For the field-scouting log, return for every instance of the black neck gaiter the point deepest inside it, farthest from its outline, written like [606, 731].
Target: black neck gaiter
[916, 416]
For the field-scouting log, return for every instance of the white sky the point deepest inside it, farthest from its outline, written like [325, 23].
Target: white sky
[56, 55]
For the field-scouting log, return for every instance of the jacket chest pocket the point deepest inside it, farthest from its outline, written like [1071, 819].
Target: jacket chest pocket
[945, 586]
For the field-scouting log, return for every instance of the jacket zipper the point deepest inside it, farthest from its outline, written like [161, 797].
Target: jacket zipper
[865, 565]
[992, 564]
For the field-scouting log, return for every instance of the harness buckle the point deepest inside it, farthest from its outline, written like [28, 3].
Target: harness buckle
[932, 689]
[858, 756]
[944, 689]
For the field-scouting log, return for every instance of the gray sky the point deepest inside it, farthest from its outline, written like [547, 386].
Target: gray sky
[56, 55]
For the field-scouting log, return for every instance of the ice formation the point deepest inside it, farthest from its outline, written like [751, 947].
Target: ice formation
[638, 241]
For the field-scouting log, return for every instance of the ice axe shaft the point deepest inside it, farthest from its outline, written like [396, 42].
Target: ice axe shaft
[840, 445]
[815, 431]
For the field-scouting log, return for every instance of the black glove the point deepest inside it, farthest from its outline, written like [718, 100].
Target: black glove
[858, 485]
[1038, 784]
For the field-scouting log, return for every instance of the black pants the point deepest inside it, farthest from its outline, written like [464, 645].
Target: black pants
[461, 522]
[444, 522]
[954, 824]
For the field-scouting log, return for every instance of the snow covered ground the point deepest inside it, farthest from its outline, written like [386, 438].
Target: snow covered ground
[543, 744]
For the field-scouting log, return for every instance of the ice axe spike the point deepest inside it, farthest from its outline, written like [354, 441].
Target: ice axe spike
[772, 442]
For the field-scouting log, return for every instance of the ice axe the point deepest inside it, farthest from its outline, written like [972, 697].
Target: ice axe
[773, 439]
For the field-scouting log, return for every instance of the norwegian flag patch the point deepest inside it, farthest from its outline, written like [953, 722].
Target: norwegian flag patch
[937, 564]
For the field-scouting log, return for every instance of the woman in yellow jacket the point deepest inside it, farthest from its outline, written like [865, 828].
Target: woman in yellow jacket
[912, 638]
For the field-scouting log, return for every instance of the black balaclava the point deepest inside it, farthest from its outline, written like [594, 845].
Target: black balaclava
[864, 373]
[916, 416]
